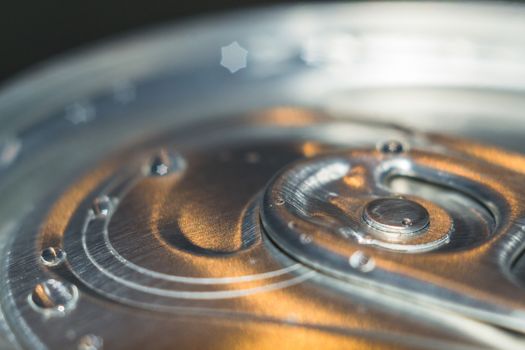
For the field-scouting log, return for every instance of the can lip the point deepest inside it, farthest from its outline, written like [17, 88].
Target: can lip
[133, 58]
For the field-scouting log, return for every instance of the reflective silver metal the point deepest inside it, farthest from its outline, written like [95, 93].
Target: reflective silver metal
[331, 186]
[398, 216]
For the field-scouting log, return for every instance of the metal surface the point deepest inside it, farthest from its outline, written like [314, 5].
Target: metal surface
[168, 196]
[399, 216]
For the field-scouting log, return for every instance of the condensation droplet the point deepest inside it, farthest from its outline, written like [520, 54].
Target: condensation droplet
[9, 150]
[102, 206]
[90, 342]
[362, 262]
[79, 113]
[291, 225]
[52, 256]
[166, 162]
[279, 201]
[54, 297]
[392, 147]
[159, 169]
[331, 195]
[305, 239]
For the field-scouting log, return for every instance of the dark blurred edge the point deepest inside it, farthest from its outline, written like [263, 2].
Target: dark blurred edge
[35, 31]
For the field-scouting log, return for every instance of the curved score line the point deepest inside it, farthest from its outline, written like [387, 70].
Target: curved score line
[199, 295]
[185, 279]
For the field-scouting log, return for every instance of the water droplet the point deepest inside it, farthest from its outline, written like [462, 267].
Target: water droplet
[52, 256]
[90, 342]
[331, 195]
[159, 169]
[9, 150]
[54, 297]
[233, 57]
[279, 201]
[165, 163]
[392, 147]
[291, 225]
[305, 239]
[102, 206]
[361, 261]
[252, 157]
[78, 113]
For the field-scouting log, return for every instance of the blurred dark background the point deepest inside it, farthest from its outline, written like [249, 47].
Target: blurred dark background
[35, 31]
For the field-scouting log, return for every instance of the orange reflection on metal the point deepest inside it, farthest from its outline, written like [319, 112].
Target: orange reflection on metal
[472, 171]
[272, 337]
[288, 116]
[508, 160]
[494, 155]
[311, 149]
[356, 177]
